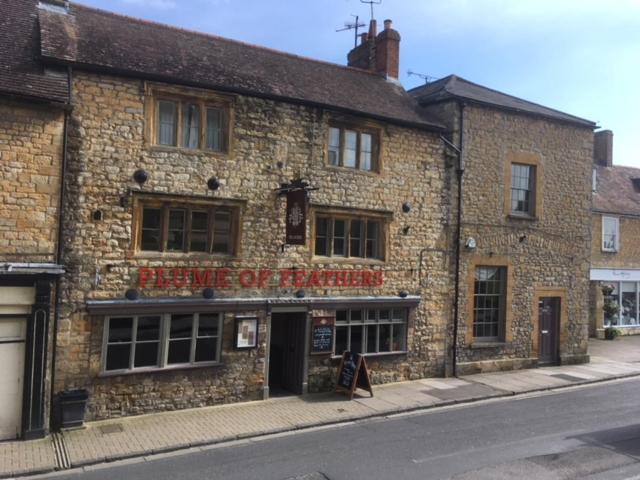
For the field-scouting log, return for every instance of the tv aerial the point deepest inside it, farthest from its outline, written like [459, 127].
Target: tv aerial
[427, 78]
[352, 26]
[371, 4]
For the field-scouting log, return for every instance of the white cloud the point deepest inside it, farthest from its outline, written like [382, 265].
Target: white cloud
[159, 4]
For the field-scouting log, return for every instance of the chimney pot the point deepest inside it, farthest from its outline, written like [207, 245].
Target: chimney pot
[387, 24]
[603, 148]
[373, 28]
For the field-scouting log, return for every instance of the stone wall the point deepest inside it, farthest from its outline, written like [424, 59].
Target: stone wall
[272, 143]
[30, 159]
[550, 251]
[628, 255]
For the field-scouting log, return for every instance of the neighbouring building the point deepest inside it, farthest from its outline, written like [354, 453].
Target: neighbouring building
[234, 218]
[615, 250]
[523, 187]
[32, 119]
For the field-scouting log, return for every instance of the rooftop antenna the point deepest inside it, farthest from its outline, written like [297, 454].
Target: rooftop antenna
[351, 26]
[427, 78]
[371, 3]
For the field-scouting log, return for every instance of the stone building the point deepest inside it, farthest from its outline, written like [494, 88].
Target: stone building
[236, 217]
[32, 120]
[523, 185]
[187, 156]
[615, 250]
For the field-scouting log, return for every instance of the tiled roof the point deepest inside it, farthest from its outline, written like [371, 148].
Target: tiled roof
[94, 39]
[20, 72]
[615, 190]
[454, 87]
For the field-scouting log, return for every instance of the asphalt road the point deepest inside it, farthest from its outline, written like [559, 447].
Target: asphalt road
[586, 433]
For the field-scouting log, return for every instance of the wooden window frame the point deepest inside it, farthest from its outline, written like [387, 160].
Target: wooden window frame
[332, 215]
[359, 129]
[367, 323]
[616, 247]
[167, 204]
[537, 181]
[163, 347]
[204, 99]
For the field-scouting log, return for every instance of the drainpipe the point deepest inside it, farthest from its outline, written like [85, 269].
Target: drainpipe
[60, 249]
[458, 235]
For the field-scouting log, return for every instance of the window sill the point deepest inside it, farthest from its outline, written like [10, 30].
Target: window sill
[375, 355]
[153, 255]
[339, 168]
[347, 260]
[517, 216]
[481, 345]
[172, 368]
[609, 251]
[188, 151]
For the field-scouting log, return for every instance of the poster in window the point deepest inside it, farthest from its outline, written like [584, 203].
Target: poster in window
[246, 333]
[296, 217]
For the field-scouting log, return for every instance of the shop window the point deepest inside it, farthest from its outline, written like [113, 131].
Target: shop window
[353, 148]
[523, 179]
[371, 331]
[489, 303]
[610, 234]
[626, 296]
[338, 236]
[175, 227]
[200, 122]
[160, 341]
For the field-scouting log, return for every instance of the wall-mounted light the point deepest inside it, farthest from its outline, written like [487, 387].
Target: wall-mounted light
[140, 176]
[471, 243]
[300, 294]
[403, 294]
[132, 294]
[406, 207]
[208, 293]
[213, 183]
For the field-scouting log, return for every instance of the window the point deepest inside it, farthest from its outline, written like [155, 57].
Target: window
[158, 341]
[191, 123]
[626, 295]
[348, 237]
[610, 234]
[523, 189]
[173, 227]
[353, 148]
[489, 303]
[371, 331]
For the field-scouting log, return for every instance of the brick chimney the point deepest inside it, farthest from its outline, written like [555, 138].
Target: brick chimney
[603, 148]
[378, 53]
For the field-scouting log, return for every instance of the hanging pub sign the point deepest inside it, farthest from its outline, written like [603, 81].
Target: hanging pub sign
[296, 217]
[322, 329]
[353, 374]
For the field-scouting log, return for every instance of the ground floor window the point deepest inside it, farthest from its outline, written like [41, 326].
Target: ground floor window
[625, 295]
[371, 331]
[489, 303]
[157, 341]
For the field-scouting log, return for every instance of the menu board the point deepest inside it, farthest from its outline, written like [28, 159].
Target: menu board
[322, 332]
[353, 374]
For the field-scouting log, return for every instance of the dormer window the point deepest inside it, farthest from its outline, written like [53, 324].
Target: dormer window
[353, 147]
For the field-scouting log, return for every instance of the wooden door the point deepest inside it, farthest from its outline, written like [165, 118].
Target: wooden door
[549, 327]
[286, 357]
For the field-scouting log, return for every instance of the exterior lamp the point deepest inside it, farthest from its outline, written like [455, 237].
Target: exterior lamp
[140, 176]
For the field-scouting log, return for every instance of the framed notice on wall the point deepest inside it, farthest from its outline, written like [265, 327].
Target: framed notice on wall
[322, 334]
[246, 332]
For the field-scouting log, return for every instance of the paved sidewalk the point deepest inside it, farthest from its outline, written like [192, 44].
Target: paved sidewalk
[149, 434]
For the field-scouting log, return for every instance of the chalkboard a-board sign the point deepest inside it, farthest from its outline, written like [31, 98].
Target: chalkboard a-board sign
[322, 329]
[353, 374]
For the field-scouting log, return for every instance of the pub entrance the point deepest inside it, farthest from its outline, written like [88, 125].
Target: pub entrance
[286, 353]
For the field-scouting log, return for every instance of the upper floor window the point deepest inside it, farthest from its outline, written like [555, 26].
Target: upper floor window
[353, 148]
[610, 234]
[489, 298]
[342, 236]
[181, 227]
[523, 179]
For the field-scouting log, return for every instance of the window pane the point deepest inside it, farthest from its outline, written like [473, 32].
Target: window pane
[146, 355]
[356, 315]
[356, 228]
[365, 151]
[181, 326]
[615, 298]
[190, 125]
[373, 234]
[222, 232]
[372, 334]
[334, 146]
[356, 338]
[199, 231]
[175, 237]
[521, 188]
[179, 351]
[350, 147]
[341, 315]
[339, 237]
[120, 330]
[629, 311]
[609, 233]
[488, 301]
[118, 357]
[322, 245]
[206, 350]
[151, 232]
[385, 337]
[341, 340]
[167, 123]
[399, 337]
[215, 129]
[208, 325]
[148, 328]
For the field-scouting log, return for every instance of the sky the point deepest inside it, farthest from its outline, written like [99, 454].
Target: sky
[578, 56]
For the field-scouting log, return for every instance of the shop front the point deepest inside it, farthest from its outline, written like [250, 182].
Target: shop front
[615, 298]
